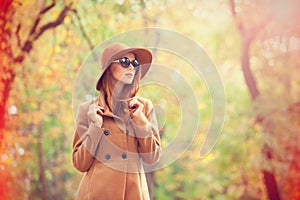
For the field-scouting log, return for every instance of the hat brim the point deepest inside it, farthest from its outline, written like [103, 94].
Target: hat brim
[144, 57]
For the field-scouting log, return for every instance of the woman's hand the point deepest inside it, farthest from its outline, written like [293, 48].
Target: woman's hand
[135, 107]
[94, 114]
[136, 112]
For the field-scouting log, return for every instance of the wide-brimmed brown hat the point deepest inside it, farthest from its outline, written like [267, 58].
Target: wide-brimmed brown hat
[117, 50]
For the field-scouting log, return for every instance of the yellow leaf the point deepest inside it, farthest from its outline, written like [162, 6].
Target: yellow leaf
[57, 49]
[67, 20]
[77, 41]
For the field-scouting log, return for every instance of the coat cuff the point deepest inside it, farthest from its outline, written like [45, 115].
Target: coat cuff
[94, 135]
[149, 149]
[143, 131]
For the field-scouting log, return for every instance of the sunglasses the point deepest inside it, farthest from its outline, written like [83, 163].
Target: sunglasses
[125, 62]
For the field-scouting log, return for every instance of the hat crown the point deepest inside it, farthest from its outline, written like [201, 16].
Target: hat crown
[110, 51]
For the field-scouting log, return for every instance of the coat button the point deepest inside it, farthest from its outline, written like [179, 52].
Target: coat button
[127, 131]
[106, 132]
[107, 156]
[124, 155]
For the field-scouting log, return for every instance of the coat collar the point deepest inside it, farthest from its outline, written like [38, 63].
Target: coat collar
[107, 112]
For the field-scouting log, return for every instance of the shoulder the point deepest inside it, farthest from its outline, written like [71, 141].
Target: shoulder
[83, 108]
[84, 105]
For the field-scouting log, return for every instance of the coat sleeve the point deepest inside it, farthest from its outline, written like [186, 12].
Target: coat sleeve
[149, 144]
[86, 139]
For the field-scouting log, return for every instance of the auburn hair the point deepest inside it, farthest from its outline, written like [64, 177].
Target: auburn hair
[113, 100]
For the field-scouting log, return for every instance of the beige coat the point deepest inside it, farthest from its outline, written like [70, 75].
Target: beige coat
[112, 156]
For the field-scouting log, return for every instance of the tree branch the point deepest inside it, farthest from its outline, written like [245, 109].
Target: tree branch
[81, 28]
[18, 36]
[38, 19]
[248, 75]
[34, 34]
[248, 35]
[238, 22]
[59, 20]
[36, 23]
[46, 9]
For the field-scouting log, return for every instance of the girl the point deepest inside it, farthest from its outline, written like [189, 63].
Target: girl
[117, 132]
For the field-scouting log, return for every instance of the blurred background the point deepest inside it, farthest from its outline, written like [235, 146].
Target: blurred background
[255, 45]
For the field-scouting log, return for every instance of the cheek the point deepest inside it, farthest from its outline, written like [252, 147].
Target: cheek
[116, 72]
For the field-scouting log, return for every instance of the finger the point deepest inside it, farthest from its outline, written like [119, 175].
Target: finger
[133, 106]
[133, 102]
[98, 104]
[99, 111]
[102, 109]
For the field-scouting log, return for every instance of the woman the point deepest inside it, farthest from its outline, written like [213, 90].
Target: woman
[116, 133]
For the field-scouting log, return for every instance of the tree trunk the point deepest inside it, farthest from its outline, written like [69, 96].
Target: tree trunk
[6, 80]
[2, 118]
[248, 36]
[6, 75]
[269, 178]
[42, 177]
[248, 76]
[270, 183]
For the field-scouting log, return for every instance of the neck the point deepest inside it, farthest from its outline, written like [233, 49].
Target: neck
[117, 87]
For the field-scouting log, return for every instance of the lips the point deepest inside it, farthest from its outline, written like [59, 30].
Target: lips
[129, 75]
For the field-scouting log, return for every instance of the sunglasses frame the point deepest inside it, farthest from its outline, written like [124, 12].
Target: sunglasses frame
[125, 64]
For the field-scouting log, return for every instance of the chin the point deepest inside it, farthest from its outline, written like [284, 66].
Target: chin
[127, 81]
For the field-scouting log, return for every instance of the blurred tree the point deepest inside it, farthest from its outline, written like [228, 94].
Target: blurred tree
[17, 38]
[261, 21]
[15, 47]
[248, 34]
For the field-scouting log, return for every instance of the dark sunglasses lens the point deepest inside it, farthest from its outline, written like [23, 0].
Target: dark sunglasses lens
[135, 63]
[125, 62]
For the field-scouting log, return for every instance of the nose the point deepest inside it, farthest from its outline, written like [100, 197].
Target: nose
[130, 67]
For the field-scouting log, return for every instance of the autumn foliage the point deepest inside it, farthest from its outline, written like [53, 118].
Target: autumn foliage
[254, 44]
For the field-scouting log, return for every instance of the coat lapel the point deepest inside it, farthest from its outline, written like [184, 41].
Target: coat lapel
[107, 112]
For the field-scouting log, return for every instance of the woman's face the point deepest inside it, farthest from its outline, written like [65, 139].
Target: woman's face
[121, 74]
